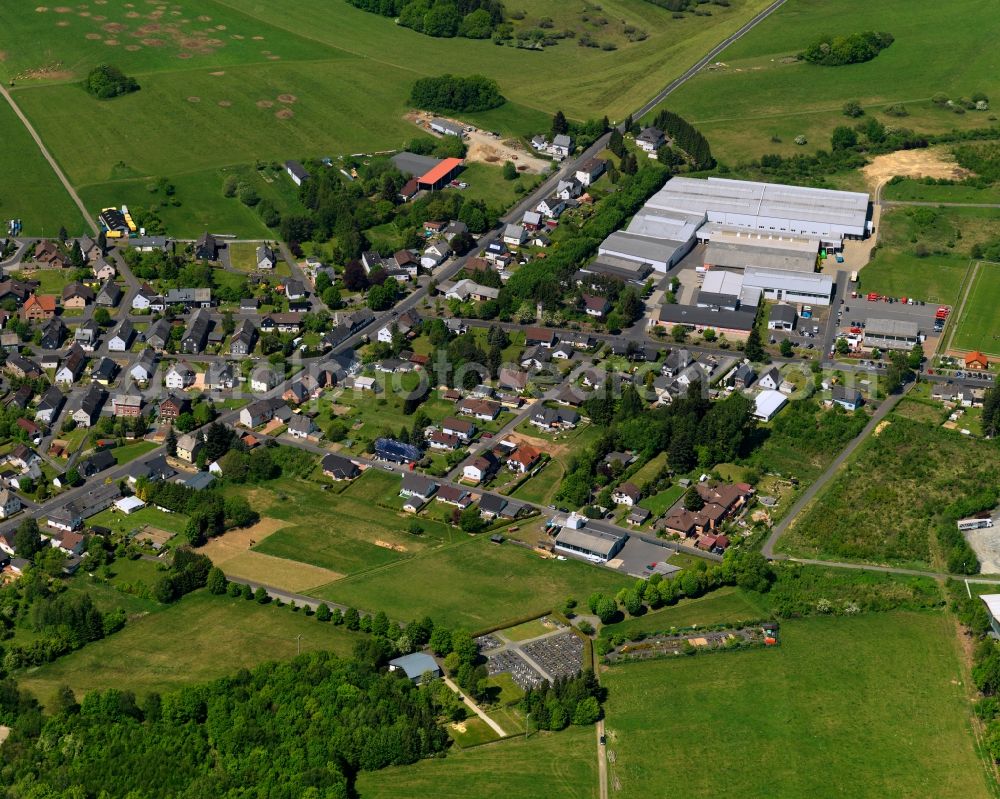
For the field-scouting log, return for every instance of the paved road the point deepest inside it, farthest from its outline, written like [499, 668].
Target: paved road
[832, 469]
[690, 73]
[48, 157]
[475, 708]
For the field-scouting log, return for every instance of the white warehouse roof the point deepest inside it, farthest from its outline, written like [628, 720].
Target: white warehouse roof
[796, 282]
[768, 403]
[719, 281]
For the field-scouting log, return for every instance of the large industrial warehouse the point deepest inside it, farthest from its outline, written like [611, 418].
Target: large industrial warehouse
[746, 223]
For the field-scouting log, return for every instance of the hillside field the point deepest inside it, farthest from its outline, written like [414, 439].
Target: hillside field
[888, 716]
[979, 325]
[761, 91]
[225, 84]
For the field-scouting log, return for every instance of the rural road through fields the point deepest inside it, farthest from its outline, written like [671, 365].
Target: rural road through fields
[48, 157]
[694, 70]
[811, 492]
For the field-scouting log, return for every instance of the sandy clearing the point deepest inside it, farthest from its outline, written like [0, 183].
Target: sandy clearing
[4, 733]
[484, 148]
[933, 162]
[232, 553]
[284, 113]
[541, 444]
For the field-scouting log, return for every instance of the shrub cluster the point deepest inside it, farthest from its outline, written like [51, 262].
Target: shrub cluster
[105, 81]
[855, 48]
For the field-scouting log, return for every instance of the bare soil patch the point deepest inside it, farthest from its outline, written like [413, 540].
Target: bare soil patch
[543, 445]
[933, 162]
[265, 103]
[486, 148]
[388, 545]
[92, 36]
[114, 27]
[218, 73]
[287, 98]
[112, 42]
[3, 55]
[225, 103]
[284, 113]
[184, 55]
[194, 99]
[233, 554]
[62, 24]
[132, 48]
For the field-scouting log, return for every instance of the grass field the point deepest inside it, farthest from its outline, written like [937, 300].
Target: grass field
[899, 274]
[660, 502]
[727, 604]
[881, 507]
[171, 522]
[343, 537]
[528, 629]
[554, 765]
[917, 190]
[760, 94]
[199, 638]
[485, 584]
[224, 85]
[979, 326]
[887, 716]
[130, 452]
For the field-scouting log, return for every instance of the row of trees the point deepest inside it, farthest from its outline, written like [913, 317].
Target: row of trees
[686, 137]
[473, 19]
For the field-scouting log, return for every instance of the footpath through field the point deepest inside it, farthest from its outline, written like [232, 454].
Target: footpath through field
[48, 157]
[475, 708]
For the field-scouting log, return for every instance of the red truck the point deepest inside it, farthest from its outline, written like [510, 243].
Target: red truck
[873, 297]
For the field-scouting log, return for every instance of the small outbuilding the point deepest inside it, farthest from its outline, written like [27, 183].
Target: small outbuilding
[415, 666]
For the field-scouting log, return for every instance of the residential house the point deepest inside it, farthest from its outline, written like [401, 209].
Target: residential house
[22, 397]
[103, 270]
[87, 335]
[484, 410]
[782, 317]
[463, 429]
[22, 457]
[296, 393]
[100, 461]
[523, 459]
[418, 489]
[281, 323]
[561, 145]
[67, 518]
[297, 172]
[103, 371]
[443, 441]
[266, 258]
[179, 376]
[721, 501]
[301, 426]
[19, 366]
[260, 412]
[513, 379]
[435, 254]
[590, 170]
[569, 189]
[535, 357]
[337, 467]
[188, 446]
[598, 307]
[295, 289]
[109, 295]
[10, 503]
[72, 366]
[452, 495]
[540, 337]
[145, 367]
[244, 339]
[38, 308]
[555, 419]
[539, 143]
[172, 406]
[976, 361]
[16, 290]
[551, 207]
[53, 333]
[91, 249]
[49, 405]
[389, 449]
[849, 399]
[637, 516]
[264, 378]
[742, 376]
[531, 221]
[514, 235]
[454, 228]
[770, 379]
[126, 405]
[626, 494]
[188, 298]
[122, 338]
[650, 139]
[158, 335]
[76, 295]
[206, 248]
[676, 362]
[196, 335]
[47, 253]
[481, 468]
[219, 376]
[249, 305]
[143, 298]
[564, 351]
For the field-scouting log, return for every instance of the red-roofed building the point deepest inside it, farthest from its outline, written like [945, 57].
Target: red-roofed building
[440, 175]
[976, 360]
[38, 307]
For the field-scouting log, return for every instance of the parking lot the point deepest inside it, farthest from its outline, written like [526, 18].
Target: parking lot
[861, 309]
[640, 558]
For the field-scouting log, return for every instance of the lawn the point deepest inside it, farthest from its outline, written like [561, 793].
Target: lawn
[528, 629]
[486, 182]
[115, 520]
[543, 487]
[354, 532]
[900, 274]
[884, 503]
[129, 452]
[661, 501]
[199, 638]
[762, 92]
[559, 765]
[979, 326]
[888, 715]
[485, 584]
[472, 732]
[50, 281]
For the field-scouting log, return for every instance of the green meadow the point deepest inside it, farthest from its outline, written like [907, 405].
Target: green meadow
[762, 92]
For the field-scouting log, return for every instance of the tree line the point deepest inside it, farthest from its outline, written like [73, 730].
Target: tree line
[456, 93]
[472, 19]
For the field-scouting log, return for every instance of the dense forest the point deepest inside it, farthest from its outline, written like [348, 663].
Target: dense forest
[473, 19]
[282, 731]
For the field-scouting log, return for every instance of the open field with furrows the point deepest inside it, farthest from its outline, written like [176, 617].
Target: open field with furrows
[473, 584]
[225, 84]
[199, 638]
[979, 325]
[889, 715]
[361, 528]
[554, 765]
[882, 506]
[763, 92]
